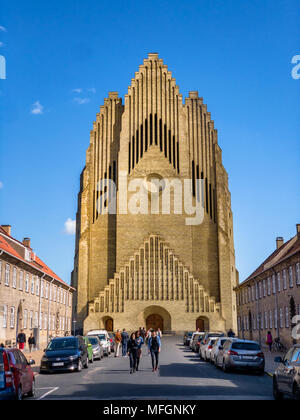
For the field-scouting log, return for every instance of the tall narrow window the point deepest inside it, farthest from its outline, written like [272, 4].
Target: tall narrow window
[7, 274]
[151, 130]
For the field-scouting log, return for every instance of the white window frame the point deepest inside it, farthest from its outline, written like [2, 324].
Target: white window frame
[37, 286]
[7, 275]
[27, 283]
[298, 273]
[12, 317]
[21, 280]
[279, 282]
[14, 278]
[287, 317]
[284, 279]
[291, 277]
[4, 321]
[25, 319]
[32, 285]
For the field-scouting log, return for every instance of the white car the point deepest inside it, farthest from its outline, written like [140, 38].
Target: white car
[104, 340]
[205, 349]
[216, 348]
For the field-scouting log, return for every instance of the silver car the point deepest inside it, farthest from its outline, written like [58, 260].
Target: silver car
[97, 347]
[241, 354]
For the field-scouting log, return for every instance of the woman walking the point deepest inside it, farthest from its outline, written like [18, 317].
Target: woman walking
[154, 346]
[140, 342]
[132, 349]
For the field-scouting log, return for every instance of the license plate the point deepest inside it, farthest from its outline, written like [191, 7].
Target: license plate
[57, 364]
[248, 357]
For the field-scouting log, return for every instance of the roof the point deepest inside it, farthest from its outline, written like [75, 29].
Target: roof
[37, 263]
[286, 250]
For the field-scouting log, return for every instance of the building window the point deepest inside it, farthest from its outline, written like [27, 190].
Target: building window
[266, 321]
[4, 324]
[279, 282]
[14, 279]
[46, 290]
[281, 317]
[7, 274]
[275, 319]
[298, 273]
[274, 284]
[65, 297]
[31, 320]
[271, 319]
[269, 286]
[42, 288]
[287, 317]
[12, 317]
[27, 283]
[21, 276]
[256, 291]
[284, 279]
[25, 319]
[54, 293]
[36, 320]
[45, 321]
[37, 286]
[265, 288]
[32, 285]
[41, 320]
[260, 290]
[291, 279]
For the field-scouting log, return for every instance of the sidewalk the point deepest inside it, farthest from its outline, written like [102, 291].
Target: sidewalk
[36, 356]
[271, 366]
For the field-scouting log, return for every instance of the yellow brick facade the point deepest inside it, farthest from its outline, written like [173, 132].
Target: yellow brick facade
[129, 267]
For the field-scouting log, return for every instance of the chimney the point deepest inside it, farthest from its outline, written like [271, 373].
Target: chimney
[26, 242]
[7, 229]
[298, 228]
[279, 242]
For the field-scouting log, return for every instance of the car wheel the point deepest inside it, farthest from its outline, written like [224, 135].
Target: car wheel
[276, 393]
[79, 367]
[19, 394]
[296, 392]
[31, 394]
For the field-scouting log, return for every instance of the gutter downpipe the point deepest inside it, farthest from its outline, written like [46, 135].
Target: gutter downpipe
[49, 321]
[40, 323]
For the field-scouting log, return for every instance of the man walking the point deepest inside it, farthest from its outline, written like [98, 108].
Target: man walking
[125, 338]
[154, 346]
[118, 339]
[31, 342]
[21, 340]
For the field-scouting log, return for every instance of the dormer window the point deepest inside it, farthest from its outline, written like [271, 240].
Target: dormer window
[27, 254]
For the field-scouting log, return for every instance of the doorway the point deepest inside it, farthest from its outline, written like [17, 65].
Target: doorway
[109, 325]
[154, 322]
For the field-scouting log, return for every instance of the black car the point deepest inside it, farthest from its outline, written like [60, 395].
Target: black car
[65, 354]
[286, 379]
[187, 337]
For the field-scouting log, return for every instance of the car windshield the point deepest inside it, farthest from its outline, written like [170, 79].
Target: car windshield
[67, 344]
[189, 334]
[101, 336]
[246, 346]
[93, 341]
[212, 342]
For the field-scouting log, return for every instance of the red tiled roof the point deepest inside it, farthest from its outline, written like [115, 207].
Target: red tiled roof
[286, 250]
[36, 263]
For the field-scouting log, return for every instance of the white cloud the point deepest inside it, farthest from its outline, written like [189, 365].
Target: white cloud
[78, 90]
[81, 101]
[1, 185]
[70, 226]
[37, 108]
[2, 29]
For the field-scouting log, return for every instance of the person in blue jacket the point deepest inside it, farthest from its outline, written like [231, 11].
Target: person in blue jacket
[154, 346]
[140, 342]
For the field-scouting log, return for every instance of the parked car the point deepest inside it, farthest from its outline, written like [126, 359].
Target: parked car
[65, 353]
[286, 379]
[89, 349]
[196, 342]
[211, 334]
[104, 340]
[206, 348]
[16, 375]
[219, 343]
[187, 337]
[112, 341]
[96, 346]
[241, 354]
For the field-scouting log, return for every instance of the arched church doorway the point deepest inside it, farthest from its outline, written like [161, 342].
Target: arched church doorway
[154, 322]
[109, 324]
[202, 323]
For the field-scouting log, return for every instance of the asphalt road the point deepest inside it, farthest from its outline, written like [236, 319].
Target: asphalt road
[181, 376]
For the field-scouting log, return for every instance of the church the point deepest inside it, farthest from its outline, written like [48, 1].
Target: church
[154, 226]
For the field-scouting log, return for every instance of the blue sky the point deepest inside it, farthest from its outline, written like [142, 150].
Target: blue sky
[237, 54]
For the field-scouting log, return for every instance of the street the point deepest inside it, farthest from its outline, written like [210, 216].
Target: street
[182, 376]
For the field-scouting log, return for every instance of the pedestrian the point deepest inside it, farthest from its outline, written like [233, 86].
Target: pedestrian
[31, 342]
[154, 346]
[118, 340]
[269, 341]
[21, 340]
[144, 333]
[231, 334]
[132, 349]
[125, 338]
[140, 342]
[159, 333]
[1, 346]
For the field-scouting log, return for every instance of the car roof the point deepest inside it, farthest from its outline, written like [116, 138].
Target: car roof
[239, 340]
[65, 338]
